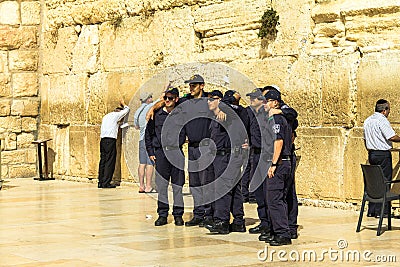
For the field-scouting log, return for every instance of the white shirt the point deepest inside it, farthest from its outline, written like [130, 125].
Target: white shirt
[140, 117]
[377, 132]
[109, 124]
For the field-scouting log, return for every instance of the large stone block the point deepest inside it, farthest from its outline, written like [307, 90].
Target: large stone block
[10, 141]
[21, 37]
[13, 157]
[24, 140]
[22, 170]
[23, 60]
[5, 85]
[66, 99]
[377, 78]
[31, 154]
[45, 87]
[30, 12]
[78, 146]
[128, 44]
[9, 11]
[25, 84]
[5, 107]
[86, 51]
[29, 124]
[354, 155]
[10, 124]
[92, 151]
[320, 170]
[59, 45]
[25, 107]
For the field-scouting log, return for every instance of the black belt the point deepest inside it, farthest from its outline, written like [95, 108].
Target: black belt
[226, 151]
[256, 150]
[197, 144]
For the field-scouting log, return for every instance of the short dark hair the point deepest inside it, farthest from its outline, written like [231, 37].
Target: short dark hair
[381, 105]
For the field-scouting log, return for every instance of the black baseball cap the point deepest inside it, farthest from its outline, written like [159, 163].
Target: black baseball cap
[273, 94]
[216, 93]
[256, 93]
[173, 91]
[195, 79]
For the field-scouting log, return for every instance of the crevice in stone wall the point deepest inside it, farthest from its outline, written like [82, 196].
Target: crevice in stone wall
[200, 41]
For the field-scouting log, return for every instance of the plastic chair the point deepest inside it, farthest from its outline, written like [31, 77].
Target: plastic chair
[377, 190]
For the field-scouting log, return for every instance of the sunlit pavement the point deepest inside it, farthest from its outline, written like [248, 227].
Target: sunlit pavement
[64, 223]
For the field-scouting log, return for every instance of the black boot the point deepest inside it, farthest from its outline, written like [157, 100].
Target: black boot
[195, 221]
[280, 241]
[259, 229]
[219, 227]
[241, 228]
[160, 221]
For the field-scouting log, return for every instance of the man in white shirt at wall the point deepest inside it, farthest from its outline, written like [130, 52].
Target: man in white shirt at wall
[108, 144]
[378, 138]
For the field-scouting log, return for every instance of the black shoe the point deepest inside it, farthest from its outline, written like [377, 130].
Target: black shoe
[280, 241]
[241, 228]
[206, 221]
[259, 229]
[109, 186]
[371, 215]
[195, 221]
[384, 216]
[266, 237]
[160, 221]
[219, 227]
[252, 200]
[99, 185]
[294, 235]
[178, 221]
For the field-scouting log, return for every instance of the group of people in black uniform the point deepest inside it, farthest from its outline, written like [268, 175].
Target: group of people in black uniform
[232, 152]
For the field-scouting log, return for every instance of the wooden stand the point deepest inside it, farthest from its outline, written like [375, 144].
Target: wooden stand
[42, 176]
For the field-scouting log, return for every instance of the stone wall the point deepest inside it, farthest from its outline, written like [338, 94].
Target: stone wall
[332, 59]
[19, 86]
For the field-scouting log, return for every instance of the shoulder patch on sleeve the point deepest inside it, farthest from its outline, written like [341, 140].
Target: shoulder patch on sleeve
[276, 128]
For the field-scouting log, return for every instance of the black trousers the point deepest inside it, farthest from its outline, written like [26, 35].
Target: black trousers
[291, 198]
[203, 201]
[246, 178]
[166, 173]
[384, 159]
[108, 157]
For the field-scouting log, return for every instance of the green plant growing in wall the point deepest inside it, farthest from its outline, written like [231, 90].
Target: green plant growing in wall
[269, 22]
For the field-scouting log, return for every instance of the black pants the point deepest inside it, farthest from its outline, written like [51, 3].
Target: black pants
[166, 172]
[108, 157]
[203, 206]
[384, 159]
[228, 188]
[246, 178]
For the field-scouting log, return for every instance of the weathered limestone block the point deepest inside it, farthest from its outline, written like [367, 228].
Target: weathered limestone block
[354, 155]
[10, 124]
[3, 62]
[92, 153]
[5, 85]
[24, 140]
[320, 170]
[25, 107]
[330, 29]
[45, 87]
[22, 170]
[5, 107]
[337, 73]
[25, 84]
[377, 78]
[10, 140]
[127, 45]
[21, 37]
[9, 11]
[23, 60]
[78, 146]
[66, 99]
[13, 157]
[30, 13]
[29, 124]
[86, 51]
[31, 154]
[61, 149]
[107, 89]
[58, 45]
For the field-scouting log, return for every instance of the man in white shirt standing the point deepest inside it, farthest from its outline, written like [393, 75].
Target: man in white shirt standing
[378, 138]
[108, 144]
[146, 166]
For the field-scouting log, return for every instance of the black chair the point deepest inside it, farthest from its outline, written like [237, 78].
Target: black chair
[377, 190]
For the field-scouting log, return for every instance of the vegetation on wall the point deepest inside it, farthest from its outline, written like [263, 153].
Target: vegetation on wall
[269, 22]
